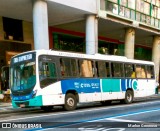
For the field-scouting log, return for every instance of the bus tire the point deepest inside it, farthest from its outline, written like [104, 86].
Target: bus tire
[70, 102]
[128, 97]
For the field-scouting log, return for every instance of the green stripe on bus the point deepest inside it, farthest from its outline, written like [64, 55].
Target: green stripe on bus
[111, 85]
[36, 101]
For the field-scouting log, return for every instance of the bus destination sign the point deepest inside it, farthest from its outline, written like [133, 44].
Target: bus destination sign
[22, 58]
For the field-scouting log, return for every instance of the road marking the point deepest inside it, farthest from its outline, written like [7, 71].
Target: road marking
[81, 111]
[97, 119]
[124, 115]
[121, 120]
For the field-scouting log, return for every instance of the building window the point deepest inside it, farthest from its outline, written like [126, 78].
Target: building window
[157, 2]
[145, 11]
[121, 10]
[127, 13]
[143, 18]
[111, 7]
[115, 1]
[146, 8]
[158, 15]
[152, 21]
[138, 5]
[148, 20]
[13, 29]
[153, 2]
[156, 23]
[138, 16]
[154, 11]
[149, 1]
[123, 2]
[131, 4]
[68, 42]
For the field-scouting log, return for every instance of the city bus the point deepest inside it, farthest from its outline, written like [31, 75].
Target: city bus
[48, 78]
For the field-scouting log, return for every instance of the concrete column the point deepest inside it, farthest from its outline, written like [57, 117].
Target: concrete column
[156, 55]
[1, 29]
[40, 24]
[91, 34]
[129, 43]
[28, 33]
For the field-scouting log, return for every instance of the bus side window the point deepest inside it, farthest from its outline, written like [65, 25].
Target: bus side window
[101, 69]
[150, 71]
[62, 67]
[65, 67]
[47, 70]
[117, 69]
[129, 70]
[74, 67]
[86, 68]
[47, 73]
[140, 71]
[107, 69]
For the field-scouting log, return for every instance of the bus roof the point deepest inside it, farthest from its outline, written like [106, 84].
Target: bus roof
[87, 56]
[94, 56]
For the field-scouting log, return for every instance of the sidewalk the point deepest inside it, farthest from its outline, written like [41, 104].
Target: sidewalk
[7, 107]
[5, 104]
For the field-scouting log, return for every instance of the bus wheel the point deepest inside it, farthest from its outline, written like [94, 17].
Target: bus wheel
[46, 108]
[128, 97]
[70, 102]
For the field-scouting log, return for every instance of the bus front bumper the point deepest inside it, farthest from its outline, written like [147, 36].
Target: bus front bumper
[34, 102]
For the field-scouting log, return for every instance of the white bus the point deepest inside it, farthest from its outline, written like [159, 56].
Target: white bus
[46, 78]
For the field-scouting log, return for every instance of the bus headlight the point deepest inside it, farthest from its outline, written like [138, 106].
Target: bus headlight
[34, 93]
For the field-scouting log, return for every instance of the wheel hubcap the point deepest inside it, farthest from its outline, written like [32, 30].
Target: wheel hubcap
[129, 97]
[70, 102]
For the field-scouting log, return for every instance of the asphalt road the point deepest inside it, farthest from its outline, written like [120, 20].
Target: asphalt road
[140, 115]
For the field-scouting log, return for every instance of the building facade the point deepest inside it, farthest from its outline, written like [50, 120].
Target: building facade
[116, 27]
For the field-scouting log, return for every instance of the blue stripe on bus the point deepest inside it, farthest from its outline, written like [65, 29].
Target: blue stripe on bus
[123, 84]
[93, 85]
[22, 98]
[129, 83]
[81, 85]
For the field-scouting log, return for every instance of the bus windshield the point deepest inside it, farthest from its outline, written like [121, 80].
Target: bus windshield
[23, 76]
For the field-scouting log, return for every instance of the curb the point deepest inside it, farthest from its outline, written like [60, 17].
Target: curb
[12, 110]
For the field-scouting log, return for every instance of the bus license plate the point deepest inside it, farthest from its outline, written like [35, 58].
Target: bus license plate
[22, 105]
